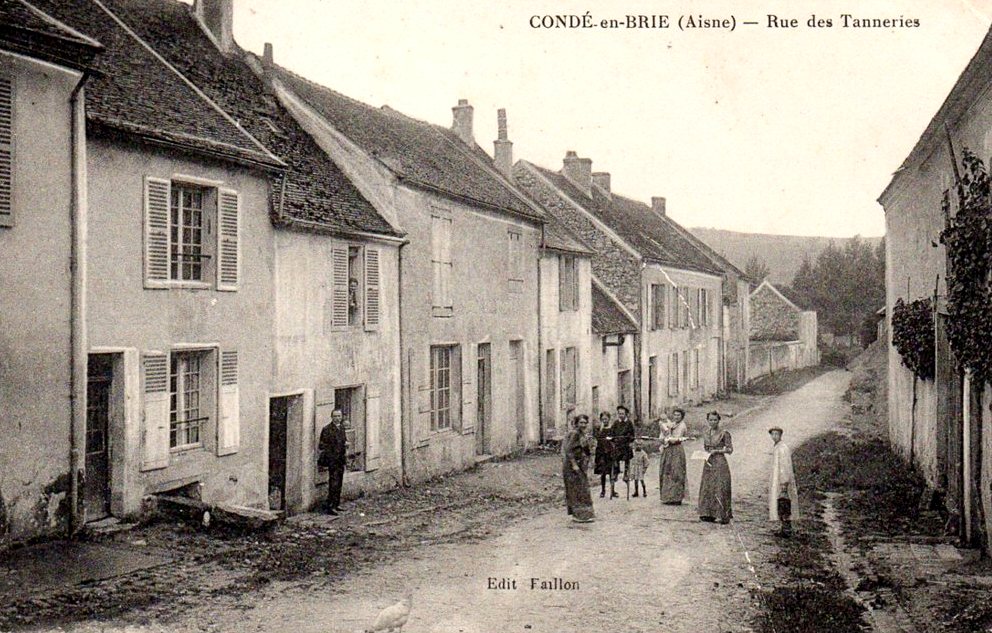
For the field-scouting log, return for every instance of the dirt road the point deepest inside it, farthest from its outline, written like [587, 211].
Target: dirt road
[640, 567]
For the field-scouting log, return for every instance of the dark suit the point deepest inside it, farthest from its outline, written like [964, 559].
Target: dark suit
[623, 438]
[332, 447]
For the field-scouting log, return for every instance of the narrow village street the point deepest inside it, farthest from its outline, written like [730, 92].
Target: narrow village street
[649, 566]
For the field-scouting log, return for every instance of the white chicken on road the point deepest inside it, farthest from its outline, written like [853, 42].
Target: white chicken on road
[392, 618]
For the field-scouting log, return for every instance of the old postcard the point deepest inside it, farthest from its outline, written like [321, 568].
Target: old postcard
[473, 316]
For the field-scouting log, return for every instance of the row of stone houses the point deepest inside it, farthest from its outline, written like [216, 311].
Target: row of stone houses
[204, 254]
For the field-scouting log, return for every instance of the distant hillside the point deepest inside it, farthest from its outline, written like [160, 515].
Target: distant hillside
[783, 253]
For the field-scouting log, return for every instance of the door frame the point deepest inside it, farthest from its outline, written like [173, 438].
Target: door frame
[300, 458]
[483, 424]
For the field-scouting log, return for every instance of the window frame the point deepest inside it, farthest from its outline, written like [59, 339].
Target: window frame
[449, 390]
[206, 396]
[442, 265]
[568, 283]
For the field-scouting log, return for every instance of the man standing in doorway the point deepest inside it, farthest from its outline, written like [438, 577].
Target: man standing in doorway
[333, 447]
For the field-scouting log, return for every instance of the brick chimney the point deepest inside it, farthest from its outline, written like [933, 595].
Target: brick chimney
[578, 171]
[502, 146]
[658, 205]
[462, 124]
[218, 17]
[602, 180]
[267, 55]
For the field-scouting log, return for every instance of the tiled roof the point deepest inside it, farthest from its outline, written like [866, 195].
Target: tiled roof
[135, 92]
[652, 236]
[316, 191]
[26, 29]
[422, 153]
[607, 316]
[23, 15]
[559, 238]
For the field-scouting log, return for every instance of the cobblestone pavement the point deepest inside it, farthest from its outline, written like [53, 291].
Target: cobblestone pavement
[640, 567]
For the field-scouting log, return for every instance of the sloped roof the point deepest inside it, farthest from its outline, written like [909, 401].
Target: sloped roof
[767, 285]
[558, 237]
[637, 224]
[316, 190]
[607, 316]
[26, 29]
[974, 79]
[135, 92]
[416, 151]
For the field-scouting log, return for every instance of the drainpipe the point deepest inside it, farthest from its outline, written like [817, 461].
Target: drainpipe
[77, 304]
[540, 348]
[404, 373]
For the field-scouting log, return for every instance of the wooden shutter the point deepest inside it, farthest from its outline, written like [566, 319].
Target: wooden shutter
[372, 425]
[6, 150]
[441, 261]
[339, 286]
[563, 301]
[228, 239]
[373, 298]
[468, 392]
[229, 424]
[157, 259]
[155, 414]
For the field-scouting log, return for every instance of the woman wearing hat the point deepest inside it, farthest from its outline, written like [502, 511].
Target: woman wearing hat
[671, 470]
[715, 486]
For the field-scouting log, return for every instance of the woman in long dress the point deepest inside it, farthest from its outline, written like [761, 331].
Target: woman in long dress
[671, 471]
[715, 486]
[575, 461]
[606, 465]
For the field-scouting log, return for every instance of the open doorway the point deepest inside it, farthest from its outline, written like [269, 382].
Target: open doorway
[100, 409]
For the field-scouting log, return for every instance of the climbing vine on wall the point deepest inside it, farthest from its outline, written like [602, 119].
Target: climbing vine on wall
[967, 235]
[913, 336]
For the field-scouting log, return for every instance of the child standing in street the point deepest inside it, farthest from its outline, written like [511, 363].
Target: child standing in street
[639, 467]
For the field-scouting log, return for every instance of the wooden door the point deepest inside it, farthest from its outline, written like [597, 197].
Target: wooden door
[484, 398]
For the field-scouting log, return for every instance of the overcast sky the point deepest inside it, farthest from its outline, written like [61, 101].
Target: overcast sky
[787, 131]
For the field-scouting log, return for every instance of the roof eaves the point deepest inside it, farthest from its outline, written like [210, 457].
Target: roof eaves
[196, 89]
[414, 182]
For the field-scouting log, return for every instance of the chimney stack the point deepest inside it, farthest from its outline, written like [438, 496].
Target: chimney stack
[267, 56]
[578, 171]
[462, 124]
[218, 17]
[503, 147]
[658, 205]
[602, 180]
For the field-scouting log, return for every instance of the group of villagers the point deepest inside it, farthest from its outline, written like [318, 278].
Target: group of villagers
[615, 450]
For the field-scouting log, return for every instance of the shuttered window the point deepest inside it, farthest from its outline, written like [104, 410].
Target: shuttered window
[229, 424]
[658, 294]
[569, 376]
[6, 149]
[568, 283]
[441, 265]
[515, 265]
[155, 411]
[673, 374]
[673, 310]
[695, 369]
[228, 239]
[191, 235]
[373, 299]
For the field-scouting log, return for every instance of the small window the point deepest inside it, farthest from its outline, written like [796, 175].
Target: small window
[190, 400]
[443, 387]
[354, 285]
[441, 265]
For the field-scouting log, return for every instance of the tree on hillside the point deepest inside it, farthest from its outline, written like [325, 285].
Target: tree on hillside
[756, 268]
[844, 285]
